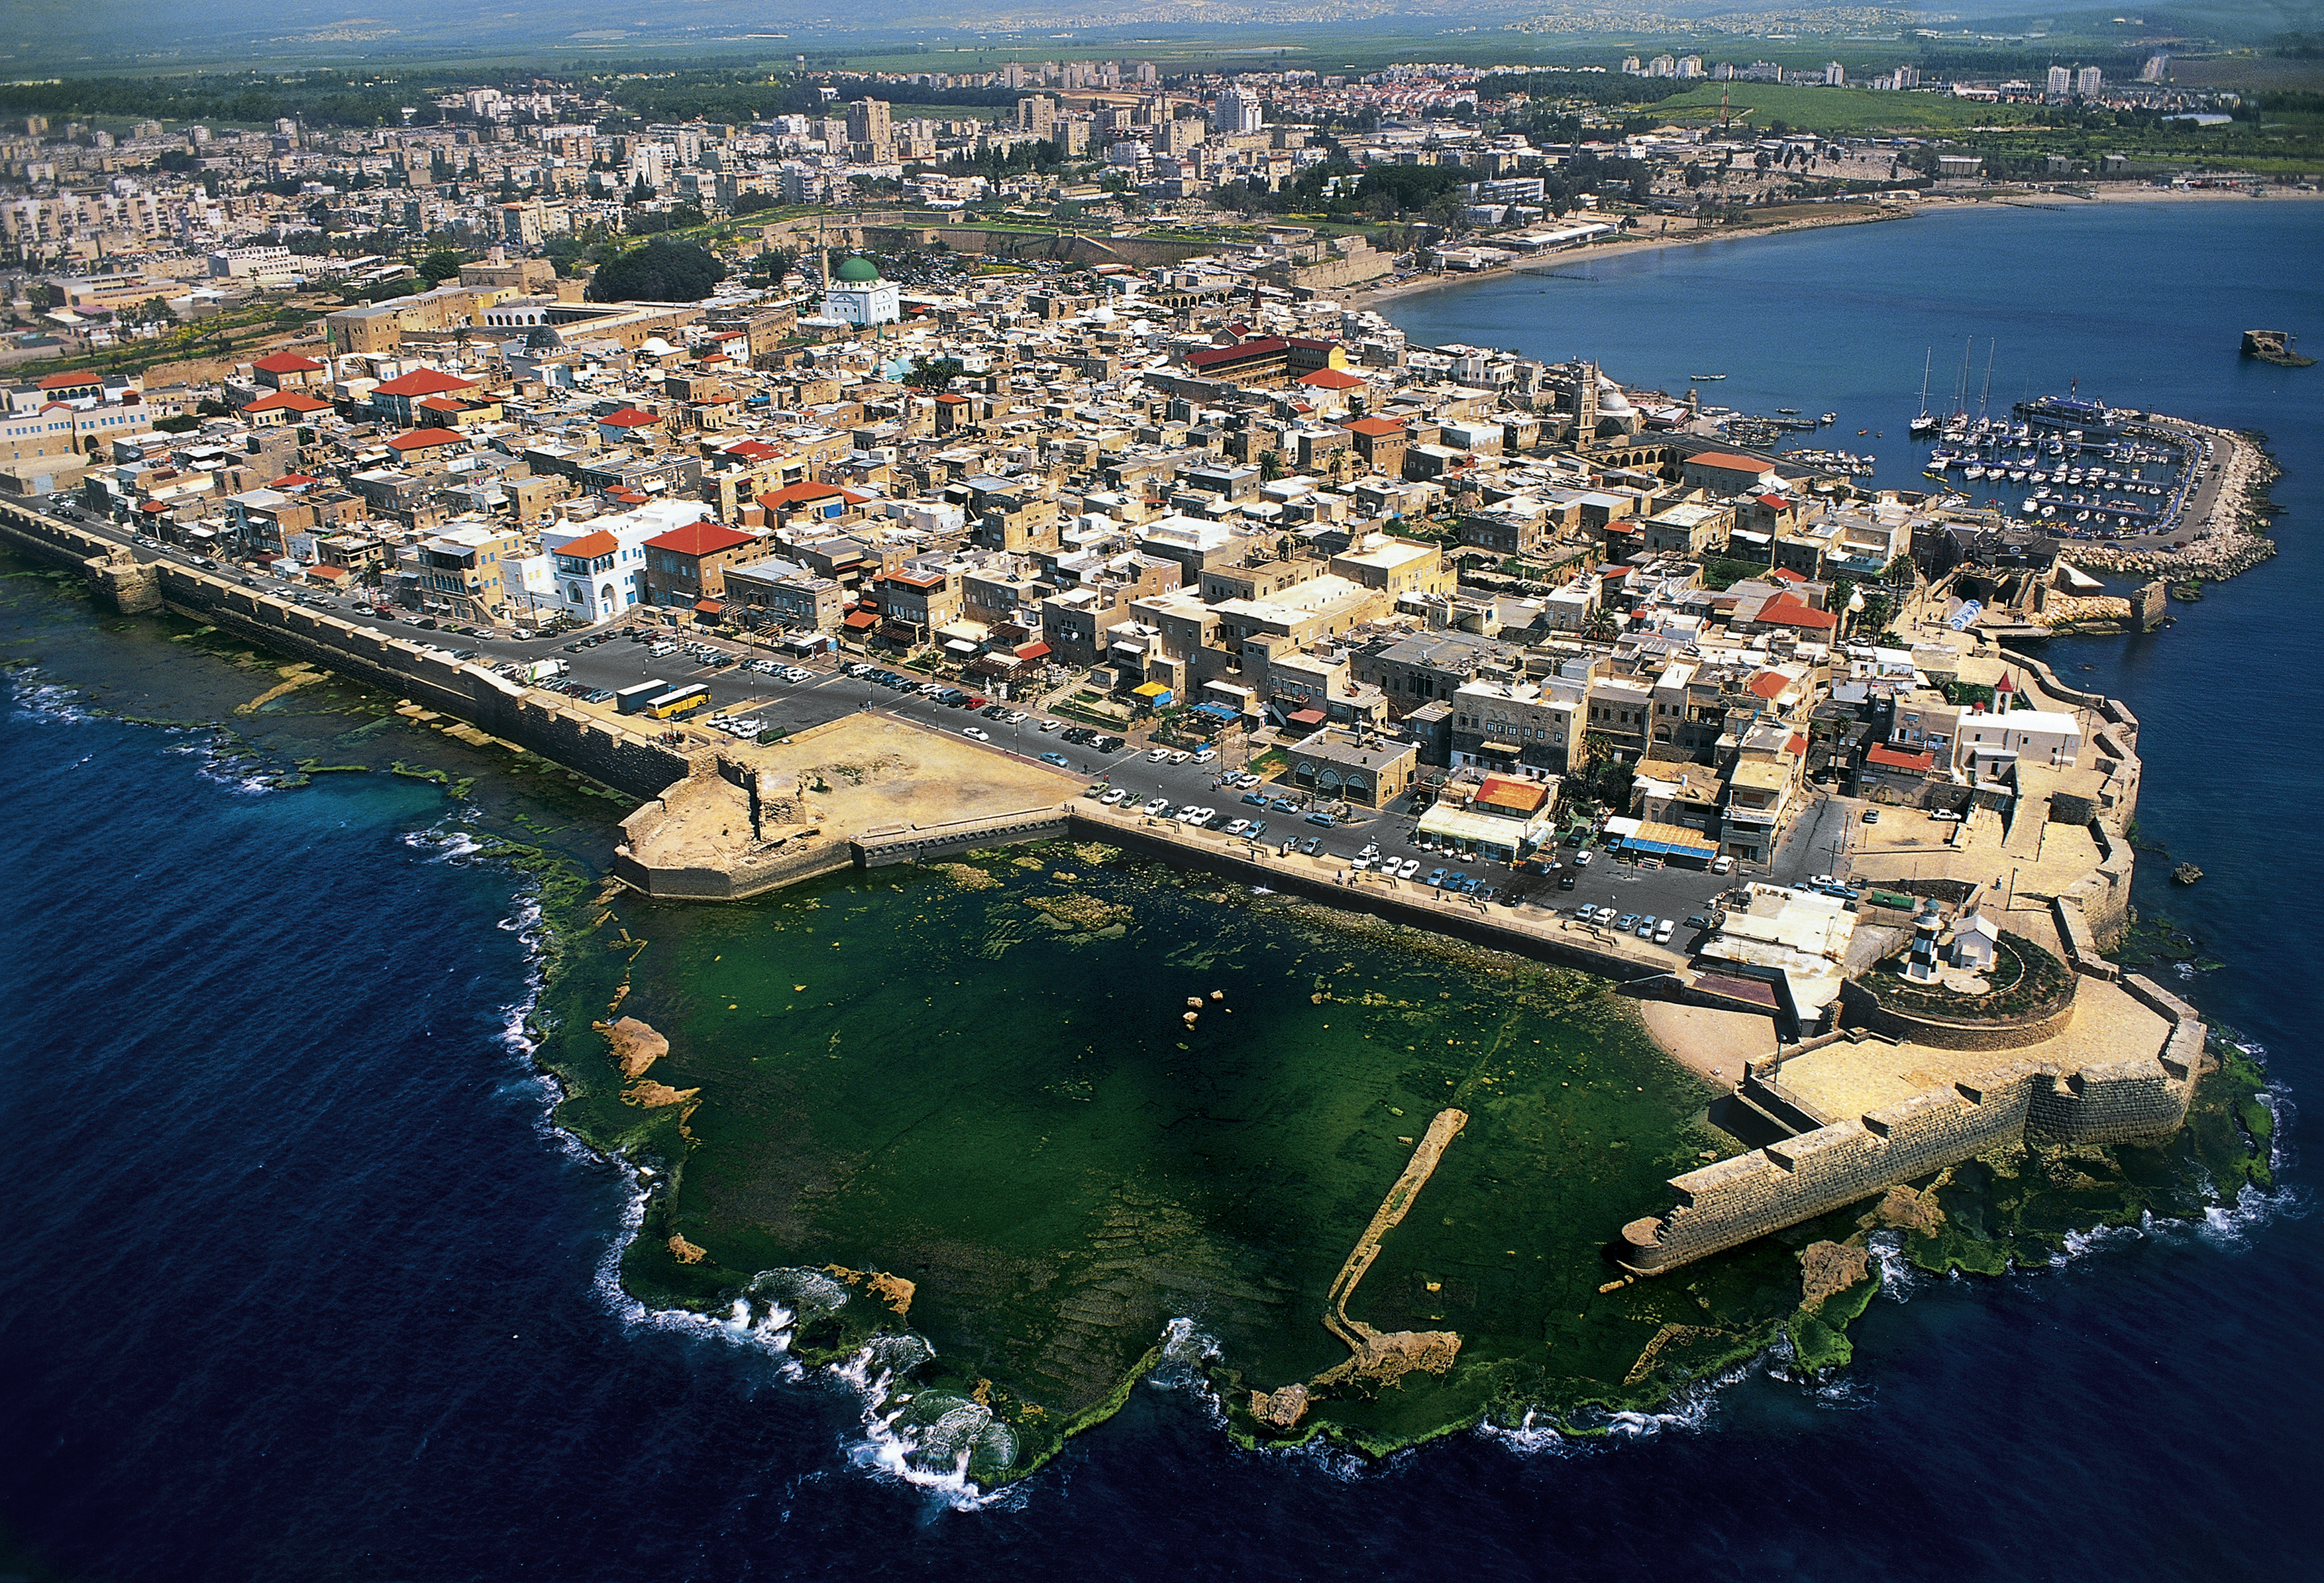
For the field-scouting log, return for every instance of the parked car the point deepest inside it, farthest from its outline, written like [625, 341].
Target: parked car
[978, 732]
[1629, 922]
[1581, 860]
[1057, 759]
[1113, 799]
[1312, 845]
[1872, 815]
[1159, 805]
[1325, 820]
[1664, 931]
[1254, 799]
[1646, 929]
[1237, 826]
[1255, 829]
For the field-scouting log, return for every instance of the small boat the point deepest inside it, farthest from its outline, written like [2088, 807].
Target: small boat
[1706, 376]
[1788, 412]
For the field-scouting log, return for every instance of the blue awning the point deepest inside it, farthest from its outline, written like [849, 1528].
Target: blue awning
[1670, 849]
[1222, 712]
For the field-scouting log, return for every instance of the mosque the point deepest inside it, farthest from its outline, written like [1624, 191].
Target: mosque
[858, 296]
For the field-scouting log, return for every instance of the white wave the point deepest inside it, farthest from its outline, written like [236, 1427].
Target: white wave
[1532, 1436]
[2096, 1238]
[1846, 1396]
[1898, 1279]
[448, 843]
[926, 1441]
[1184, 1368]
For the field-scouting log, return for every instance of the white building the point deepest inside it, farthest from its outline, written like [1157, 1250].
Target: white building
[1988, 744]
[601, 565]
[859, 296]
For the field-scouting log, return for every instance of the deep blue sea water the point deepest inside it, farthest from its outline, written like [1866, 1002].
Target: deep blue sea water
[299, 1286]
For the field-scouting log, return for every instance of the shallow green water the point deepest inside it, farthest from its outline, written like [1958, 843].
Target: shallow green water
[1016, 1118]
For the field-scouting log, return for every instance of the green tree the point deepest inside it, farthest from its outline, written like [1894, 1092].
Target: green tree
[441, 264]
[662, 271]
[934, 375]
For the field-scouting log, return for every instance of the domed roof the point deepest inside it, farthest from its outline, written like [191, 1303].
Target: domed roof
[858, 272]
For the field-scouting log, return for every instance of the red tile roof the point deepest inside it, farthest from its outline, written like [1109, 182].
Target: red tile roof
[287, 362]
[69, 381]
[1730, 461]
[590, 546]
[629, 417]
[1783, 610]
[798, 495]
[1890, 758]
[1332, 379]
[425, 382]
[698, 538]
[292, 400]
[1262, 346]
[1770, 684]
[427, 439]
[1375, 427]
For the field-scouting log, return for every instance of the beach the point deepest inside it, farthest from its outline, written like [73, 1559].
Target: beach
[1870, 212]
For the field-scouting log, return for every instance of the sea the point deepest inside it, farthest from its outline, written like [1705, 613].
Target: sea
[301, 1283]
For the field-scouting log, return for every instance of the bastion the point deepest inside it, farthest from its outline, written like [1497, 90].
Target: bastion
[1868, 1113]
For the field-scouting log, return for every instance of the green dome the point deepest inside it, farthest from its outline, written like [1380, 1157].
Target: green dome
[859, 271]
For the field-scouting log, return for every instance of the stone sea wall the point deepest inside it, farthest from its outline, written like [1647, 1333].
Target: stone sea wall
[1767, 1190]
[605, 749]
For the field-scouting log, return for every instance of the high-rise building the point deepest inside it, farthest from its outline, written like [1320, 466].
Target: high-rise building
[1835, 75]
[2156, 67]
[2088, 81]
[1690, 66]
[2061, 82]
[1238, 110]
[1038, 115]
[867, 121]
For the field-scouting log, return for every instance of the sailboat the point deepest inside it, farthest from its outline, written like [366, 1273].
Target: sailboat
[1926, 423]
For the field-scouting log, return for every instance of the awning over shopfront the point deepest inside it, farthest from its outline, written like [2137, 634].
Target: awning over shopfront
[1306, 718]
[1662, 840]
[959, 645]
[708, 606]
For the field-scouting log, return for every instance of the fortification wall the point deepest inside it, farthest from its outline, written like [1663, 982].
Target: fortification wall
[2035, 1025]
[1767, 1190]
[920, 842]
[546, 723]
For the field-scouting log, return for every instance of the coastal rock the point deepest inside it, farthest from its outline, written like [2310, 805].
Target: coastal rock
[653, 1096]
[636, 1046]
[1280, 1410]
[1906, 1210]
[892, 1290]
[684, 1252]
[2186, 873]
[1827, 1269]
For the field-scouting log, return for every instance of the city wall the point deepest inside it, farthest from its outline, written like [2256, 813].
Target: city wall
[1845, 1161]
[546, 723]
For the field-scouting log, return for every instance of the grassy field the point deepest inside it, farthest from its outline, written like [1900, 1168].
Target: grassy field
[1836, 109]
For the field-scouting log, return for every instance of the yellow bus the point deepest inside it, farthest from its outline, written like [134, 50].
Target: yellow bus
[678, 700]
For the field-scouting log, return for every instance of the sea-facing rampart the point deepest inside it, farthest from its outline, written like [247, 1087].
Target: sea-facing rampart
[597, 745]
[1847, 1160]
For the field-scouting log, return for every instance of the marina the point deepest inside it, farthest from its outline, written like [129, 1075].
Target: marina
[2121, 478]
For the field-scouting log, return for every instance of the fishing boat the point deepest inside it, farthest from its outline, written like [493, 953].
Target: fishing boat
[1706, 376]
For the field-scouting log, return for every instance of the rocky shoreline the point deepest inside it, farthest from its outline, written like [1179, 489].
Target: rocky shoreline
[2230, 539]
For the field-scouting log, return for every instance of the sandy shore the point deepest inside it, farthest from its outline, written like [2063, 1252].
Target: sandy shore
[1709, 1044]
[1372, 296]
